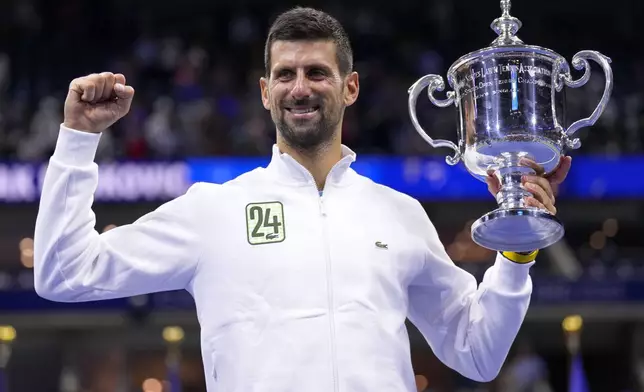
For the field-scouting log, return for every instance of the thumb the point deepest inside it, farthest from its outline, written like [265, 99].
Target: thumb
[123, 92]
[124, 95]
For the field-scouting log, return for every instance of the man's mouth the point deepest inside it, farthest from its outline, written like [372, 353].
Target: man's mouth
[303, 110]
[303, 113]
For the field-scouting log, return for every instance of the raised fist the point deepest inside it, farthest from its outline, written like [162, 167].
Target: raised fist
[97, 101]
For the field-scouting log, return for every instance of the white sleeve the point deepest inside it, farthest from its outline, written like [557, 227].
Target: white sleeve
[470, 329]
[74, 263]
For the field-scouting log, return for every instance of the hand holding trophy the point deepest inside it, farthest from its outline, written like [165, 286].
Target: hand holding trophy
[510, 101]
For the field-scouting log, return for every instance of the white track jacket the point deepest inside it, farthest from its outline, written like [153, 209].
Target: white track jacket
[295, 291]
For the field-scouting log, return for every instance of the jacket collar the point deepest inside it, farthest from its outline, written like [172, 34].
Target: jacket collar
[288, 170]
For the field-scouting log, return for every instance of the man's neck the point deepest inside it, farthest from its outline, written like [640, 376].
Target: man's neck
[318, 162]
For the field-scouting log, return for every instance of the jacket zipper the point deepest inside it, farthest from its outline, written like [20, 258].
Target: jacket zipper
[329, 282]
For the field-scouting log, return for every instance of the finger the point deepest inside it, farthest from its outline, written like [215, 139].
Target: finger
[532, 202]
[108, 88]
[493, 184]
[83, 88]
[538, 169]
[125, 94]
[542, 182]
[562, 171]
[75, 91]
[540, 195]
[99, 84]
[119, 78]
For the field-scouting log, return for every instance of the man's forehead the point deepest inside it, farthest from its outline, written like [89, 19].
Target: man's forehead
[294, 53]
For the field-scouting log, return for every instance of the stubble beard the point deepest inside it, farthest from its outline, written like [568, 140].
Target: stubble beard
[309, 139]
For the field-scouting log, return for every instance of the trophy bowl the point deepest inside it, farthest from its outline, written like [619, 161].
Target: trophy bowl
[510, 102]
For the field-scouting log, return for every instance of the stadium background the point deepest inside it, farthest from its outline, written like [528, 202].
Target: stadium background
[197, 116]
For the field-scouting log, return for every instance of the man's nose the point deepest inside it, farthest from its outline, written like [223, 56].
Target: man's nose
[301, 87]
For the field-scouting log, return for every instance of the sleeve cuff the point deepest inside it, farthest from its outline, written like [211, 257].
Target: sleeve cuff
[76, 148]
[511, 275]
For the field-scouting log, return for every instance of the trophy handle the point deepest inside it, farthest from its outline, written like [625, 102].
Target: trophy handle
[580, 61]
[433, 83]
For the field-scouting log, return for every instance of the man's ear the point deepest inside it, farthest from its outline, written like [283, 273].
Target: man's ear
[263, 85]
[352, 88]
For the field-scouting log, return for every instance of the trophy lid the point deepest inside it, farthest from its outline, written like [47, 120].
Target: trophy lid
[506, 27]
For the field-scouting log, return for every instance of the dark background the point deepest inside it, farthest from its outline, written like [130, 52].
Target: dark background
[195, 65]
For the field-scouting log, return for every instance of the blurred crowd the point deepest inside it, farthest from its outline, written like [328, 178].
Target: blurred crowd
[196, 66]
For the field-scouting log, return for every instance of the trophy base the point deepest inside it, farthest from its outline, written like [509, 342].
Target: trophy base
[520, 229]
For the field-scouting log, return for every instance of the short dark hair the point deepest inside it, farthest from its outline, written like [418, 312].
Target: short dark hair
[308, 24]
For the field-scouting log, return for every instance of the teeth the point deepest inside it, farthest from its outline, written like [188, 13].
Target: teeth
[302, 111]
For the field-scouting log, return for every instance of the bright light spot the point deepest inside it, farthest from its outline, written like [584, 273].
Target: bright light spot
[26, 243]
[7, 333]
[572, 323]
[27, 258]
[173, 334]
[152, 385]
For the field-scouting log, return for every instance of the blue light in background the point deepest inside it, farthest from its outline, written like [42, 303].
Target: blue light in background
[432, 179]
[426, 179]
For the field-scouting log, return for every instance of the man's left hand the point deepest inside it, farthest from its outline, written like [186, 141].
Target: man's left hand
[543, 188]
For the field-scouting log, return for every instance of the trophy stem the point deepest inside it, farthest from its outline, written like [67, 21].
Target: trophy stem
[509, 173]
[514, 226]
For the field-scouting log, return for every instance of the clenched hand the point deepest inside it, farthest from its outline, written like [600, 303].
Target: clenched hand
[97, 101]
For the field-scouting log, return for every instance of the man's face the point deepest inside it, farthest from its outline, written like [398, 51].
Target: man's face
[305, 92]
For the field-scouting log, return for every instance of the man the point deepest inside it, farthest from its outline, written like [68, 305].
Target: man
[303, 272]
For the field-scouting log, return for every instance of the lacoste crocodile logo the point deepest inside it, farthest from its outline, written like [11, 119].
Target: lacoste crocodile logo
[382, 245]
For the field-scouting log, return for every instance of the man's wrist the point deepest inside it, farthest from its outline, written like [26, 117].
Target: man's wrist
[525, 253]
[521, 257]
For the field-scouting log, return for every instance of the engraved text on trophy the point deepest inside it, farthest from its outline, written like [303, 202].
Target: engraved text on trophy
[508, 99]
[502, 79]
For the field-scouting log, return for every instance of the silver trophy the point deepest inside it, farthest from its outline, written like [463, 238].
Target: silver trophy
[511, 105]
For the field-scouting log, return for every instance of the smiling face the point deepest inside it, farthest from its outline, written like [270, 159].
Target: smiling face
[306, 92]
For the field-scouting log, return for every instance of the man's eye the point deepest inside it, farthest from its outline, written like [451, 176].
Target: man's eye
[317, 73]
[284, 74]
